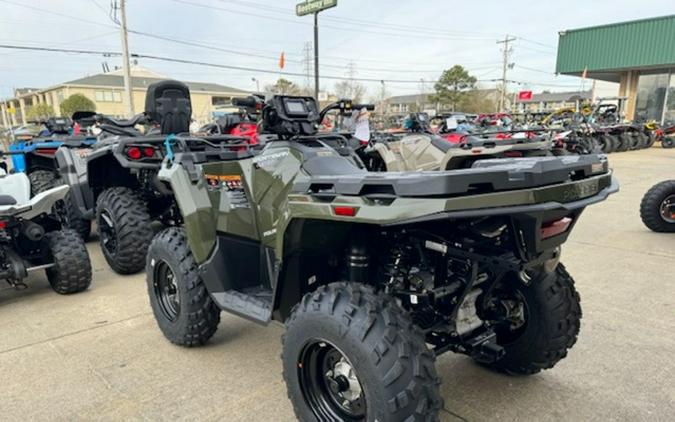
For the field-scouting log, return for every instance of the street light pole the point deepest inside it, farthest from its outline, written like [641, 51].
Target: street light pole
[125, 59]
[316, 56]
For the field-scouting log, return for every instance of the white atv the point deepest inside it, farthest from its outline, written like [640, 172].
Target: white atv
[32, 239]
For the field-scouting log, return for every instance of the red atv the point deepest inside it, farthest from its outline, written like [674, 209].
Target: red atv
[242, 124]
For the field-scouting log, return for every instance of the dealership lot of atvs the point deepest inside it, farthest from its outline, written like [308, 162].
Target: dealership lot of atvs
[99, 354]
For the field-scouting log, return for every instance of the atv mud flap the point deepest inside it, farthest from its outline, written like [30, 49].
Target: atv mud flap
[73, 171]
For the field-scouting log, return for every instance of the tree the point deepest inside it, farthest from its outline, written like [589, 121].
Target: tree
[351, 90]
[76, 102]
[452, 87]
[40, 111]
[477, 101]
[284, 87]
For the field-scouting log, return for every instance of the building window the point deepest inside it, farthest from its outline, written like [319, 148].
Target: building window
[221, 101]
[669, 115]
[651, 96]
[108, 96]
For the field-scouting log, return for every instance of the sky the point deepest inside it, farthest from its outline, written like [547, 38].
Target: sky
[405, 43]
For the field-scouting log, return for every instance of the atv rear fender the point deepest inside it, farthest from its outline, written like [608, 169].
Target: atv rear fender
[73, 170]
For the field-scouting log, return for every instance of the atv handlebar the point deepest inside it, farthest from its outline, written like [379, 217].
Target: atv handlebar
[130, 123]
[248, 102]
[344, 105]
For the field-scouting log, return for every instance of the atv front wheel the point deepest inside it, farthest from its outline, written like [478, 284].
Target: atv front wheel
[41, 180]
[350, 354]
[71, 272]
[657, 209]
[124, 229]
[180, 302]
[541, 323]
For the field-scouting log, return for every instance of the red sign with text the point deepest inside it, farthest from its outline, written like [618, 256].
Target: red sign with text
[525, 95]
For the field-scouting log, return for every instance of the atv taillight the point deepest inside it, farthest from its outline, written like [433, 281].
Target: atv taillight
[345, 211]
[554, 228]
[148, 152]
[46, 151]
[134, 153]
[3, 224]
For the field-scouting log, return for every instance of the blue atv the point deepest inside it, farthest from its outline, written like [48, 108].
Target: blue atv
[37, 159]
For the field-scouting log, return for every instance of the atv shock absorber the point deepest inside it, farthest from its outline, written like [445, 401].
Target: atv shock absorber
[357, 262]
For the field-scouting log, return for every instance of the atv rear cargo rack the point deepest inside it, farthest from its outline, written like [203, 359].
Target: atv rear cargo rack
[485, 176]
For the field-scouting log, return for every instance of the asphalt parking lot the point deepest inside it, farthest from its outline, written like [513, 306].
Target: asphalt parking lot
[99, 355]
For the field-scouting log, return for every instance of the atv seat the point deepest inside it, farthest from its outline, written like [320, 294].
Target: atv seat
[168, 103]
[7, 200]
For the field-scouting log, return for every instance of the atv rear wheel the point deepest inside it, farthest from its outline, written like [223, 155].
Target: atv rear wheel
[543, 323]
[624, 142]
[350, 354]
[124, 229]
[180, 302]
[71, 272]
[657, 209]
[612, 142]
[41, 180]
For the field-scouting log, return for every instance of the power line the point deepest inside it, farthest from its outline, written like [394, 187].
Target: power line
[416, 34]
[537, 43]
[208, 64]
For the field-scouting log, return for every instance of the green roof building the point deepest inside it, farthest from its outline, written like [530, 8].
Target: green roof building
[639, 55]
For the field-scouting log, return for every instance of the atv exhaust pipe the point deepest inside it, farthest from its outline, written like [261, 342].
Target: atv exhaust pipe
[33, 231]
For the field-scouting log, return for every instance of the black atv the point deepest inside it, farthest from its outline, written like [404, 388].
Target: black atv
[116, 183]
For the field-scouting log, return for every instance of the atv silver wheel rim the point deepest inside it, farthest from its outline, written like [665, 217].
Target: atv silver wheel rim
[667, 209]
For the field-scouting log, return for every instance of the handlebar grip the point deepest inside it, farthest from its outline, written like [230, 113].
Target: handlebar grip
[369, 107]
[244, 102]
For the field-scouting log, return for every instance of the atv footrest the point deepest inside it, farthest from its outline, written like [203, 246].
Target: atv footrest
[254, 304]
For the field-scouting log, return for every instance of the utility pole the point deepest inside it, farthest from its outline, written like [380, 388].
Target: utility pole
[125, 59]
[314, 7]
[505, 65]
[316, 56]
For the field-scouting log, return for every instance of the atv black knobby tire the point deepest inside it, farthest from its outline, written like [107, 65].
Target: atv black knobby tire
[125, 231]
[624, 142]
[605, 144]
[613, 141]
[667, 142]
[71, 272]
[196, 317]
[643, 140]
[41, 180]
[552, 322]
[387, 353]
[650, 207]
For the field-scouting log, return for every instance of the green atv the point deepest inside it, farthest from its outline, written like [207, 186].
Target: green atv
[373, 274]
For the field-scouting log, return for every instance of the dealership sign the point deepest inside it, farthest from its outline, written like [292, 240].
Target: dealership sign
[313, 6]
[525, 95]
